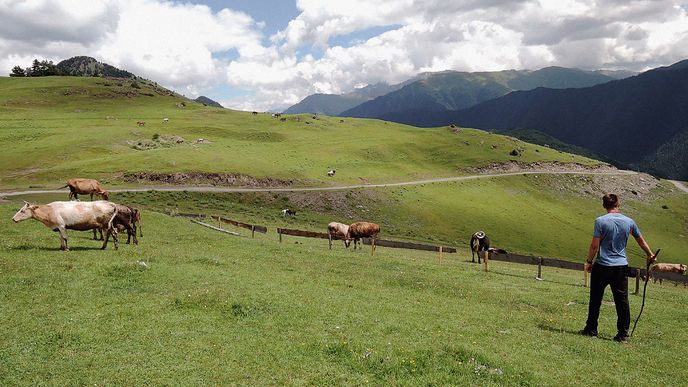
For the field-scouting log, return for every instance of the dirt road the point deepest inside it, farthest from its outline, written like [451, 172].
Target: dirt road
[336, 188]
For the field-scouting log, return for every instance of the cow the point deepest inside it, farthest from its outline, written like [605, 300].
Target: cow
[140, 123]
[667, 268]
[479, 242]
[72, 215]
[337, 230]
[360, 230]
[288, 212]
[254, 113]
[128, 219]
[85, 186]
[165, 120]
[331, 172]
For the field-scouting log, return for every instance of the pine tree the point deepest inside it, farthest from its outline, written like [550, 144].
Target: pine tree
[17, 71]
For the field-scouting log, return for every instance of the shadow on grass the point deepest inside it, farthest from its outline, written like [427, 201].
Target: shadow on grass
[550, 328]
[42, 248]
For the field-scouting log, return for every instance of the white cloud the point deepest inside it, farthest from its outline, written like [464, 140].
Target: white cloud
[181, 45]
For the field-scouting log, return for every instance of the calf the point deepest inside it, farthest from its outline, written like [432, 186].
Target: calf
[140, 123]
[63, 216]
[288, 212]
[331, 172]
[360, 230]
[85, 186]
[128, 219]
[337, 230]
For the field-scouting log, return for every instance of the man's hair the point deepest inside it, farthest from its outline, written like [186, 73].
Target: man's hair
[610, 201]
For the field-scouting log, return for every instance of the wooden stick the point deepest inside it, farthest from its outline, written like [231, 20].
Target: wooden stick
[214, 228]
[440, 255]
[485, 259]
[539, 274]
[372, 247]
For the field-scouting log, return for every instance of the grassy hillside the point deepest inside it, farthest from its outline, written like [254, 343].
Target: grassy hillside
[208, 308]
[56, 128]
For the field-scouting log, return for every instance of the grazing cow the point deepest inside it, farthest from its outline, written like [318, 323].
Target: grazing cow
[331, 172]
[667, 268]
[85, 186]
[63, 216]
[254, 113]
[288, 212]
[360, 230]
[165, 120]
[337, 230]
[283, 119]
[140, 123]
[479, 242]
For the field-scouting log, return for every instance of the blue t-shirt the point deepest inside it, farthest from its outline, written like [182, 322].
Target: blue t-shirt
[613, 230]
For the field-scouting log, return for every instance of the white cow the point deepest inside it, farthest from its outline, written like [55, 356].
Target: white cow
[63, 216]
[337, 230]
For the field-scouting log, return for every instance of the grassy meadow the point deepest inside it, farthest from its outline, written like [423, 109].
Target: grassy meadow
[192, 306]
[56, 128]
[208, 308]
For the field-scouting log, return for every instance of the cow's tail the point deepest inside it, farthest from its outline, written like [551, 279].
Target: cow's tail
[64, 186]
[112, 219]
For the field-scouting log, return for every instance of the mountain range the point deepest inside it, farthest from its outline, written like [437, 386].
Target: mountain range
[441, 91]
[638, 122]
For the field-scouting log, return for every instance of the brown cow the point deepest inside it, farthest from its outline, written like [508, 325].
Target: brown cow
[85, 186]
[128, 219]
[63, 216]
[670, 268]
[140, 123]
[360, 230]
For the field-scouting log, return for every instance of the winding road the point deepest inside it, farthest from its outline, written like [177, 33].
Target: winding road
[338, 188]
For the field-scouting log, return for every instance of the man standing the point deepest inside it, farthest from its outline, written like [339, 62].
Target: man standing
[609, 240]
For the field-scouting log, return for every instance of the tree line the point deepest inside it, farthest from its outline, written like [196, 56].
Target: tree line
[38, 68]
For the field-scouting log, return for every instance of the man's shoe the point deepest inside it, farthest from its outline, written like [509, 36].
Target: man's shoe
[587, 332]
[621, 338]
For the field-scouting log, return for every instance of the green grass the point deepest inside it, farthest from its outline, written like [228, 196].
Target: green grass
[216, 309]
[56, 128]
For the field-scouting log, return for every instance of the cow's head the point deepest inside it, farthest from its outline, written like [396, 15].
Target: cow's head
[683, 268]
[105, 195]
[26, 212]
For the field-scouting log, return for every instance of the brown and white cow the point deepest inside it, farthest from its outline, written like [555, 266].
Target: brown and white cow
[360, 230]
[63, 216]
[84, 187]
[336, 230]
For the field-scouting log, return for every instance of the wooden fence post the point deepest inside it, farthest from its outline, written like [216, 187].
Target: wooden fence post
[539, 273]
[585, 277]
[253, 231]
[329, 239]
[486, 258]
[372, 247]
[279, 231]
[637, 282]
[440, 251]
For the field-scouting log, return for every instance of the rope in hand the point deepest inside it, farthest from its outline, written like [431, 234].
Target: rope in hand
[647, 279]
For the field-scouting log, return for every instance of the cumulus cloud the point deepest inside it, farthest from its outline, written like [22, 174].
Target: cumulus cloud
[192, 48]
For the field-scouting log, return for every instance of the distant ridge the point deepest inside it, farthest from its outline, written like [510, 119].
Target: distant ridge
[85, 66]
[640, 122]
[418, 102]
[207, 101]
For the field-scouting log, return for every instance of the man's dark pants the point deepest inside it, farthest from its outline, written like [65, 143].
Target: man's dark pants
[616, 278]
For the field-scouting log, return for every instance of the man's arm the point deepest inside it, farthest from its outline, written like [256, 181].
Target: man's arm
[592, 252]
[646, 248]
